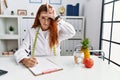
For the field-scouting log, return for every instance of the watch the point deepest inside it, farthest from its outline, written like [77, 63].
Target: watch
[56, 18]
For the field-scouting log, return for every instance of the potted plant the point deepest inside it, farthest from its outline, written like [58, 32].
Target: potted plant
[11, 29]
[32, 14]
[12, 12]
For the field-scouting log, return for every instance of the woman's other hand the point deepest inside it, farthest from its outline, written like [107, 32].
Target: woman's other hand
[51, 12]
[29, 62]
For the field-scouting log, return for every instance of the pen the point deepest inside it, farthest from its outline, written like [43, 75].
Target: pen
[29, 53]
[49, 71]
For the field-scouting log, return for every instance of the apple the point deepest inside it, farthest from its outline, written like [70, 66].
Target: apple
[88, 62]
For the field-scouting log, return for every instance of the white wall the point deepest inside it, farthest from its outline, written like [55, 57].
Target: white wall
[33, 7]
[91, 9]
[93, 19]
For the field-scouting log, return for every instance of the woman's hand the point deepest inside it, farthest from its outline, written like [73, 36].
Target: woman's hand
[51, 12]
[29, 62]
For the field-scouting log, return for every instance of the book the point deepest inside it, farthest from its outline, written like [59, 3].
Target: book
[44, 66]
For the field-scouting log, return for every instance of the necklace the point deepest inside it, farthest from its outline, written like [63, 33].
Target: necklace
[35, 41]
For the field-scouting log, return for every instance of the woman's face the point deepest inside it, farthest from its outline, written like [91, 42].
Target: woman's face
[44, 21]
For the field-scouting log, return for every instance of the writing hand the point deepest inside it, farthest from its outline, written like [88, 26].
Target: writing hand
[29, 62]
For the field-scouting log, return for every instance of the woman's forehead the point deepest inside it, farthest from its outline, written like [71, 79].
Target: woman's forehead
[43, 13]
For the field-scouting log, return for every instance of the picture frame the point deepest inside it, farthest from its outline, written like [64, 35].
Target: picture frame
[55, 2]
[21, 12]
[35, 1]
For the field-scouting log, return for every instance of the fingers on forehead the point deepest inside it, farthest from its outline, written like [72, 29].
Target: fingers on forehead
[47, 5]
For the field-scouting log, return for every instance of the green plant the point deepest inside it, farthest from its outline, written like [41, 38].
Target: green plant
[11, 28]
[85, 43]
[12, 12]
[32, 13]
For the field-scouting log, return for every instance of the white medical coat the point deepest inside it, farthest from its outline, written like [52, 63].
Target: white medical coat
[65, 31]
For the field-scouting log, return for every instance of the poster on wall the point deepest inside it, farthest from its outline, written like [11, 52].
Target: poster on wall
[56, 2]
[35, 1]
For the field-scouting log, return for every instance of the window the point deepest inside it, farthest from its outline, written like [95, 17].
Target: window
[110, 30]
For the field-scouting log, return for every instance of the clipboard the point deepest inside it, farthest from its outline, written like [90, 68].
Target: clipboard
[45, 66]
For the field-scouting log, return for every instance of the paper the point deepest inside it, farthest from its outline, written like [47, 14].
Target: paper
[44, 66]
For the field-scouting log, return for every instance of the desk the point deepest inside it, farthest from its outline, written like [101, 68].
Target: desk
[100, 71]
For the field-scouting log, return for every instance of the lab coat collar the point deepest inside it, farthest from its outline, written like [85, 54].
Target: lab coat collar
[41, 33]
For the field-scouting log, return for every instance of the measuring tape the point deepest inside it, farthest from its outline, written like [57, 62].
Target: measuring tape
[35, 41]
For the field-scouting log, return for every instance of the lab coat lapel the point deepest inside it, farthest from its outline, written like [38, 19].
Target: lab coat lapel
[41, 33]
[47, 36]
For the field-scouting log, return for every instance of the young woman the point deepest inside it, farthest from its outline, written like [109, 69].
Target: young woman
[44, 37]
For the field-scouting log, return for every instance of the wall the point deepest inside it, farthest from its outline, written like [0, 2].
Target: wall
[91, 9]
[92, 12]
[33, 7]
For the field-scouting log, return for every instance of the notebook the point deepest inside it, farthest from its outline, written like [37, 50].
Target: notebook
[45, 66]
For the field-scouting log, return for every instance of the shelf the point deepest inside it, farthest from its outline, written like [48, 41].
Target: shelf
[9, 36]
[75, 38]
[23, 23]
[9, 41]
[8, 16]
[74, 17]
[14, 16]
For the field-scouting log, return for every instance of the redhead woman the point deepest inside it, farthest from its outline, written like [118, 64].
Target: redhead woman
[44, 37]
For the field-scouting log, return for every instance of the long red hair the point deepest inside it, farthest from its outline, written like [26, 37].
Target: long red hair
[53, 36]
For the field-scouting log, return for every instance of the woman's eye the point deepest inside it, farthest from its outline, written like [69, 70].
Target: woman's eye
[43, 18]
[49, 18]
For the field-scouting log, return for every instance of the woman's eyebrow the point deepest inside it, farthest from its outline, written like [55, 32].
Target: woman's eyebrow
[45, 17]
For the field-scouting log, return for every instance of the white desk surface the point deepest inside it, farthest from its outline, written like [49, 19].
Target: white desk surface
[100, 71]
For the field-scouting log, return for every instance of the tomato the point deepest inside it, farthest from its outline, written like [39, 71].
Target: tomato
[88, 62]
